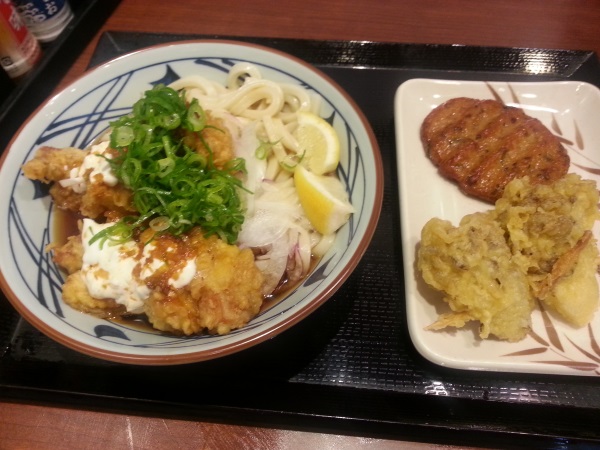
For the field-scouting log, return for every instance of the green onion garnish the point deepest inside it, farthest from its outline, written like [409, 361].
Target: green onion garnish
[169, 180]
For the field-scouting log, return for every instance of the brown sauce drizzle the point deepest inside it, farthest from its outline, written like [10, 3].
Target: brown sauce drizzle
[66, 225]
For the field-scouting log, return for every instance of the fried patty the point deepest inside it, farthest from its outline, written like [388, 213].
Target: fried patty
[484, 144]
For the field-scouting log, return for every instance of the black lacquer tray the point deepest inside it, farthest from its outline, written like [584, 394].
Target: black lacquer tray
[350, 367]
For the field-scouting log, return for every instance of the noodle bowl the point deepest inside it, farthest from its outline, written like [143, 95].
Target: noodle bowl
[82, 112]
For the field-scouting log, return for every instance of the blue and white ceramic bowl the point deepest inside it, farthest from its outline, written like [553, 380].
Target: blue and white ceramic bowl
[76, 116]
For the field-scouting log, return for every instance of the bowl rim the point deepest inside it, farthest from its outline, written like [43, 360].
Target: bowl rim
[270, 332]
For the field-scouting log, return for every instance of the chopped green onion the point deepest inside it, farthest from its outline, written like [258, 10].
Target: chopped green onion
[196, 117]
[160, 223]
[119, 232]
[124, 135]
[264, 149]
[292, 161]
[172, 184]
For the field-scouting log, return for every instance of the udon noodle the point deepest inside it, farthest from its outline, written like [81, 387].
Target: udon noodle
[262, 114]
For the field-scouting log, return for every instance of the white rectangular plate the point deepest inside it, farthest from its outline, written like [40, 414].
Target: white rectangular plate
[572, 111]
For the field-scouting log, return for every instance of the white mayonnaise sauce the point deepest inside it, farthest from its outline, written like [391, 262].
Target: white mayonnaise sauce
[109, 270]
[94, 169]
[184, 277]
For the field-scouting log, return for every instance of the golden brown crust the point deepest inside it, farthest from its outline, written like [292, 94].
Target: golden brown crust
[214, 142]
[484, 144]
[99, 200]
[225, 293]
[110, 202]
[536, 244]
[53, 164]
[76, 295]
[70, 255]
[472, 265]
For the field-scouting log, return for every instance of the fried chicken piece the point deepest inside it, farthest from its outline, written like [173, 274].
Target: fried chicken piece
[483, 144]
[51, 165]
[74, 292]
[70, 255]
[98, 201]
[225, 293]
[214, 142]
[76, 295]
[65, 198]
[109, 202]
[472, 265]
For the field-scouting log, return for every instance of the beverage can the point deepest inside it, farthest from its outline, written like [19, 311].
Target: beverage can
[19, 49]
[46, 19]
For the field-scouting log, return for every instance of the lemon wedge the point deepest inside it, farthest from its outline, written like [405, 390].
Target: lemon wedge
[319, 142]
[324, 200]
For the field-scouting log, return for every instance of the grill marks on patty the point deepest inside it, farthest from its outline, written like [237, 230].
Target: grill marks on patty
[484, 144]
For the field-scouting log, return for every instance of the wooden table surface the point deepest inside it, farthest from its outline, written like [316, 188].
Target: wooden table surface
[559, 24]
